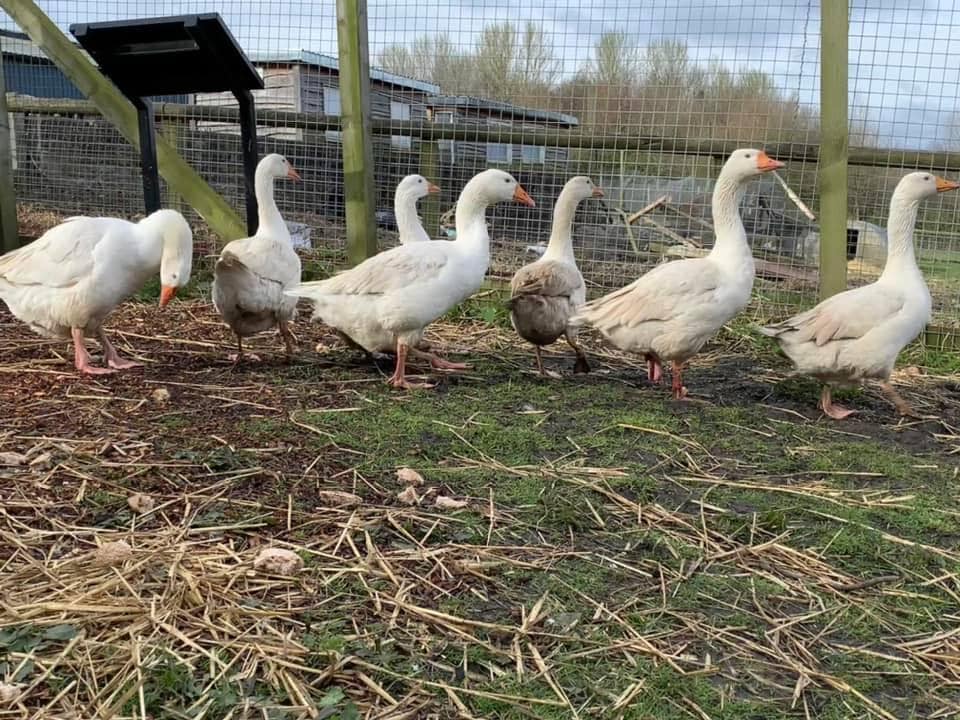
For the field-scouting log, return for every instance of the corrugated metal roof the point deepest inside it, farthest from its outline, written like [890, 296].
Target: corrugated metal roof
[474, 103]
[16, 43]
[307, 57]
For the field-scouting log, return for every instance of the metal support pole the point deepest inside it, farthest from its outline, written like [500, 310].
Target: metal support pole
[248, 138]
[114, 107]
[148, 154]
[9, 237]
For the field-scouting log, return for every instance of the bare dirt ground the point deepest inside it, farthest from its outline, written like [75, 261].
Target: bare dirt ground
[602, 551]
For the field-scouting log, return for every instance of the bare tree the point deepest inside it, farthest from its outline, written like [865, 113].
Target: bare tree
[666, 66]
[431, 58]
[616, 61]
[513, 65]
[494, 56]
[536, 66]
[507, 63]
[659, 90]
[863, 131]
[952, 134]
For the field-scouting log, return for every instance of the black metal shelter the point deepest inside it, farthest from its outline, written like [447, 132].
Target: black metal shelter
[170, 56]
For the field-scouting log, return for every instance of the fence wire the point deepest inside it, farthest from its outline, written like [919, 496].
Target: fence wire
[675, 76]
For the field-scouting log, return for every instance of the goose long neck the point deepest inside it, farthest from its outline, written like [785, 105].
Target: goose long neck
[150, 240]
[560, 246]
[900, 227]
[730, 236]
[471, 218]
[408, 222]
[269, 219]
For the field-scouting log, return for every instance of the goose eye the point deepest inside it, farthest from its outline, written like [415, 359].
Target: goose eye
[926, 177]
[420, 181]
[507, 180]
[748, 156]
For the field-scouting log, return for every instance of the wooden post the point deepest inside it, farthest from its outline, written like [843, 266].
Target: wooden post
[834, 129]
[9, 237]
[430, 169]
[359, 188]
[117, 109]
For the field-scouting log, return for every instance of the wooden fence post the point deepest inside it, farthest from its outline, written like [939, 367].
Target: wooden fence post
[118, 110]
[359, 188]
[834, 134]
[9, 237]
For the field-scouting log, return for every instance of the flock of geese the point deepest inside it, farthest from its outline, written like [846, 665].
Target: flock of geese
[66, 283]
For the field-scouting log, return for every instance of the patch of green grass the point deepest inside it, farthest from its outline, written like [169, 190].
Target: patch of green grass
[696, 529]
[937, 362]
[198, 287]
[488, 306]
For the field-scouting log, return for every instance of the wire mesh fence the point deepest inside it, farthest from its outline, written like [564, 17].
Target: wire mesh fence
[679, 79]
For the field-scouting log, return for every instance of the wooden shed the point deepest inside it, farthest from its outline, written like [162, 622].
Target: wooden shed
[465, 110]
[308, 82]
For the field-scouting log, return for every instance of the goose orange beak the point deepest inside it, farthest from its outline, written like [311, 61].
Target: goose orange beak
[293, 174]
[433, 189]
[944, 185]
[521, 196]
[765, 163]
[166, 294]
[597, 191]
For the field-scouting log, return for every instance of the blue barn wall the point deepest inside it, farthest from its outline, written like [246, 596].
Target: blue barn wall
[41, 78]
[27, 76]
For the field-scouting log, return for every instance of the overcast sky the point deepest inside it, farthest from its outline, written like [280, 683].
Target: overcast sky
[904, 54]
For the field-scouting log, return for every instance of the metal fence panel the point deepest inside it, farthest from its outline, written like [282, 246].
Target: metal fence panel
[681, 80]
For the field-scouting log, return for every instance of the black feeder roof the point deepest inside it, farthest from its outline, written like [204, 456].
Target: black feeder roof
[169, 55]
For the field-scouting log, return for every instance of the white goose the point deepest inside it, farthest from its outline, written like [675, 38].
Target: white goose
[409, 190]
[545, 293]
[66, 282]
[252, 273]
[409, 228]
[671, 312]
[385, 302]
[857, 334]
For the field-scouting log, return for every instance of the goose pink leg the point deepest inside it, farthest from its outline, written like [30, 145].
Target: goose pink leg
[289, 339]
[679, 391]
[903, 407]
[81, 357]
[654, 369]
[581, 364]
[113, 358]
[837, 412]
[437, 362]
[399, 377]
[239, 356]
[539, 356]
